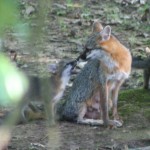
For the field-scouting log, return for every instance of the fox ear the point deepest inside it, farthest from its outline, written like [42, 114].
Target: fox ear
[53, 68]
[97, 27]
[105, 33]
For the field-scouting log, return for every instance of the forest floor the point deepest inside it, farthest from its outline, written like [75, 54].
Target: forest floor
[61, 34]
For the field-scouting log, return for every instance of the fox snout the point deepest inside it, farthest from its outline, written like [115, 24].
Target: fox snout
[94, 54]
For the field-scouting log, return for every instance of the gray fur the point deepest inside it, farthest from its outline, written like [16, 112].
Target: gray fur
[86, 83]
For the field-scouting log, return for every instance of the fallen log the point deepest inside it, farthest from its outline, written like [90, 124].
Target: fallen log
[138, 63]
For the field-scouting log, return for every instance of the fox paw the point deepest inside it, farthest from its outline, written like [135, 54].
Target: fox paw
[113, 124]
[91, 122]
[118, 123]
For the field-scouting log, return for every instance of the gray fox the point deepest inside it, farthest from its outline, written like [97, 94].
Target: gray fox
[121, 55]
[105, 73]
[85, 93]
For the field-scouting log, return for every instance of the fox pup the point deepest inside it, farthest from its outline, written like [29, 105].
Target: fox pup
[53, 87]
[40, 88]
[120, 55]
[93, 107]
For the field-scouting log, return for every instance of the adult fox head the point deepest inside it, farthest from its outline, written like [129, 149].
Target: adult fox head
[101, 38]
[99, 35]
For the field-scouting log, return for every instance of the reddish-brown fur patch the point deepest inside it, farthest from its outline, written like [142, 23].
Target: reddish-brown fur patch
[119, 53]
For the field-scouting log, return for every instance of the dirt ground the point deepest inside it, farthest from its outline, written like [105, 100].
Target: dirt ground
[69, 136]
[61, 35]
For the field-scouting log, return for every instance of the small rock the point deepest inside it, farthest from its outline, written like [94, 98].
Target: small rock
[146, 35]
[134, 1]
[29, 10]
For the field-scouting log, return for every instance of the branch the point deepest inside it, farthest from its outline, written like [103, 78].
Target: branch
[140, 64]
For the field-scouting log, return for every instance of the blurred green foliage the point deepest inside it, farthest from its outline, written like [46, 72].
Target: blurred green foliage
[9, 14]
[134, 101]
[13, 82]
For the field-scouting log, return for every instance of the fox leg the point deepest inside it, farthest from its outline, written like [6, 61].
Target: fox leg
[114, 95]
[53, 104]
[104, 93]
[104, 103]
